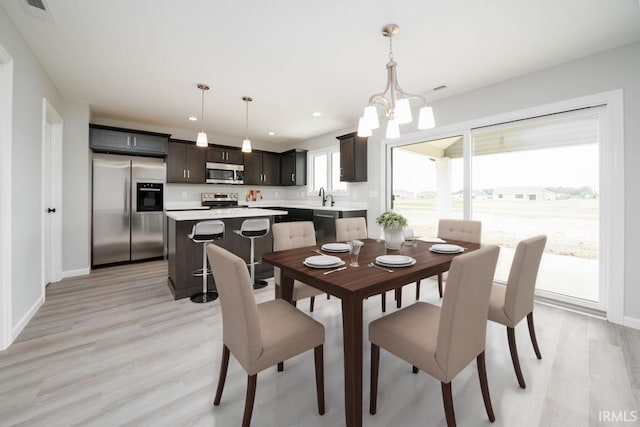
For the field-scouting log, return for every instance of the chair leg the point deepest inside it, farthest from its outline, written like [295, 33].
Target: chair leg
[328, 296]
[440, 284]
[280, 366]
[415, 369]
[294, 303]
[311, 302]
[484, 386]
[384, 301]
[319, 359]
[375, 364]
[248, 404]
[418, 290]
[398, 297]
[532, 334]
[223, 374]
[511, 336]
[447, 399]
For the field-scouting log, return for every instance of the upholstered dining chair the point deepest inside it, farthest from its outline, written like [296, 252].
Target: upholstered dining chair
[356, 228]
[510, 304]
[259, 335]
[442, 341]
[455, 229]
[351, 229]
[290, 235]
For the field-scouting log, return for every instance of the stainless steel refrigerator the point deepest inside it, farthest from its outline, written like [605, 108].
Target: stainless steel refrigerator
[128, 204]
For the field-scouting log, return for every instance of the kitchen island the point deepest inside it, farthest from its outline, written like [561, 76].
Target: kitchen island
[185, 256]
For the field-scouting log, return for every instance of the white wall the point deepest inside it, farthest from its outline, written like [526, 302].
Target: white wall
[76, 190]
[31, 85]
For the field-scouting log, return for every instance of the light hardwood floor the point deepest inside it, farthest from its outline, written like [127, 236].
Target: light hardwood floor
[114, 348]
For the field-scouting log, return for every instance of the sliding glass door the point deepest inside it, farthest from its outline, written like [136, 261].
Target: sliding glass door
[524, 178]
[541, 176]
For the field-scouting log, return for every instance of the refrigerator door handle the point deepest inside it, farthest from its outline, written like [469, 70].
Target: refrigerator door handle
[127, 198]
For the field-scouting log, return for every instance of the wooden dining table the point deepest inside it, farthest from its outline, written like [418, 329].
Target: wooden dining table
[352, 285]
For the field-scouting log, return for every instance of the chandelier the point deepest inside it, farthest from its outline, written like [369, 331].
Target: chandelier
[394, 100]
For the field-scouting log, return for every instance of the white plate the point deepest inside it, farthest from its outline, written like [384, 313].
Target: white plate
[338, 264]
[322, 260]
[450, 249]
[408, 264]
[335, 247]
[445, 248]
[394, 260]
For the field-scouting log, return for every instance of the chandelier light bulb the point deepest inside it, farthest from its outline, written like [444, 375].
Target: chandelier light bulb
[403, 111]
[363, 130]
[246, 146]
[393, 130]
[371, 117]
[426, 119]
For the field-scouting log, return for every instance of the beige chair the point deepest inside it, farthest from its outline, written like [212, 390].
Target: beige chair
[356, 228]
[510, 304]
[455, 229]
[351, 229]
[259, 335]
[442, 341]
[290, 235]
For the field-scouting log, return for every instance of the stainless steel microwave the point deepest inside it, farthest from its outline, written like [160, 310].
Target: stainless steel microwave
[222, 173]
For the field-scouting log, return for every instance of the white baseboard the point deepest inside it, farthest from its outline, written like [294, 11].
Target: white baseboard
[76, 273]
[632, 322]
[27, 317]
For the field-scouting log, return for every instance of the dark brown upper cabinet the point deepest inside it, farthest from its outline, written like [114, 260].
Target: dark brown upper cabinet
[353, 158]
[261, 168]
[220, 154]
[107, 139]
[293, 167]
[186, 162]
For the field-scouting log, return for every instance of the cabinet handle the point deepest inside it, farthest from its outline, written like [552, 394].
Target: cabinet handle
[188, 173]
[135, 141]
[293, 177]
[184, 173]
[128, 141]
[226, 155]
[222, 154]
[341, 174]
[265, 178]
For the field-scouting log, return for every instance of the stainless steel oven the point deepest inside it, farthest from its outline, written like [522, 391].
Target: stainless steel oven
[222, 173]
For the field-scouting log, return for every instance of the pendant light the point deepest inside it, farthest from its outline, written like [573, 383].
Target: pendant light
[246, 143]
[201, 141]
[394, 100]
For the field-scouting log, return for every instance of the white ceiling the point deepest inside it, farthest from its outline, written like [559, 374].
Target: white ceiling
[140, 60]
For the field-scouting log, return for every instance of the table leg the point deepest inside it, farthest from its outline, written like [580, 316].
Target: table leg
[352, 337]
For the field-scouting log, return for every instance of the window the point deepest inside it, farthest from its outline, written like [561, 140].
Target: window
[324, 171]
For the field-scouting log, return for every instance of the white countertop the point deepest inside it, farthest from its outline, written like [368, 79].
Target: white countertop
[292, 204]
[198, 215]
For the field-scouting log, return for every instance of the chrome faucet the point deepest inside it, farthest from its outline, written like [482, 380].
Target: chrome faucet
[321, 194]
[333, 202]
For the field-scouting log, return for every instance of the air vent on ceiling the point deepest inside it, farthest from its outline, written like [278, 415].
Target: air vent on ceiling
[38, 9]
[440, 87]
[37, 3]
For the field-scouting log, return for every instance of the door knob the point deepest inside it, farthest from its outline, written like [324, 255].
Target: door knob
[49, 210]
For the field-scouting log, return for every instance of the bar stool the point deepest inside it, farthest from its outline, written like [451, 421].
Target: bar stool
[205, 232]
[254, 229]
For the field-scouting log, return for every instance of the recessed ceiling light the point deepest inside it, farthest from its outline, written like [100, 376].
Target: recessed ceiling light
[193, 119]
[271, 133]
[317, 114]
